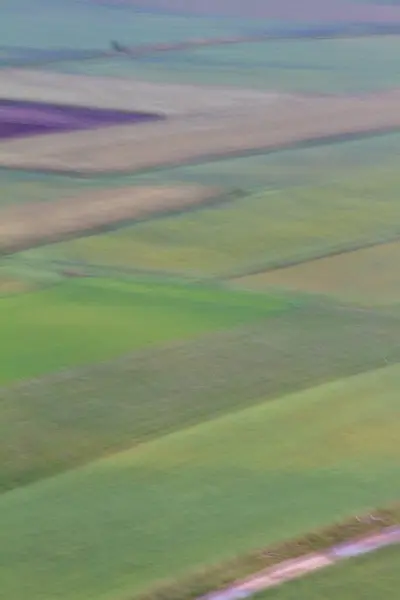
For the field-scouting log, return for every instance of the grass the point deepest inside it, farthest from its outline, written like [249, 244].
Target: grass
[58, 422]
[365, 578]
[82, 321]
[251, 233]
[368, 277]
[217, 490]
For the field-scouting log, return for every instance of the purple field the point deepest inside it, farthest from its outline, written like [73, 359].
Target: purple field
[19, 118]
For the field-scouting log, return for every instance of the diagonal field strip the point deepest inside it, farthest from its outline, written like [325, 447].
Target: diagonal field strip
[221, 490]
[184, 140]
[128, 94]
[293, 569]
[22, 227]
[137, 398]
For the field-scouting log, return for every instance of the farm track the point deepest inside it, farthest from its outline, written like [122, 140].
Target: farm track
[304, 565]
[263, 123]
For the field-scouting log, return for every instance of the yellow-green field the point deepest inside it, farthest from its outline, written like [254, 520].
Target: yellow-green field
[204, 392]
[259, 230]
[368, 277]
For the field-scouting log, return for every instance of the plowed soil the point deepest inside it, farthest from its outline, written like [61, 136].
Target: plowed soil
[198, 138]
[25, 226]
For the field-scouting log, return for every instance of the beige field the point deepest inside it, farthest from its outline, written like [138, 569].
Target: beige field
[25, 226]
[206, 124]
[370, 276]
[129, 94]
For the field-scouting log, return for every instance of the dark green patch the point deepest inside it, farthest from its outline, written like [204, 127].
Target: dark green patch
[61, 421]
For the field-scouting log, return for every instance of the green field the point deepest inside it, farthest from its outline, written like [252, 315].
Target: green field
[254, 232]
[61, 421]
[366, 578]
[240, 482]
[82, 321]
[158, 417]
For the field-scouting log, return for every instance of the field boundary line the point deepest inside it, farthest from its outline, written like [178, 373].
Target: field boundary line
[309, 563]
[245, 575]
[294, 262]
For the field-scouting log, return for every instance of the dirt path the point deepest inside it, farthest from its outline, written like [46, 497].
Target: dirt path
[293, 569]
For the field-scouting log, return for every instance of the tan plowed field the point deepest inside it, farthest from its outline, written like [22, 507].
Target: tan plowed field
[25, 226]
[370, 276]
[197, 138]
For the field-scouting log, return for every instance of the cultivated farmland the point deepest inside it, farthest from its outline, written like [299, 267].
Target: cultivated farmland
[292, 465]
[192, 138]
[36, 223]
[165, 429]
[80, 321]
[355, 66]
[316, 164]
[369, 276]
[260, 230]
[168, 387]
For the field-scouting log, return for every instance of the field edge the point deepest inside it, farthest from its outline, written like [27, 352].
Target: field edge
[216, 578]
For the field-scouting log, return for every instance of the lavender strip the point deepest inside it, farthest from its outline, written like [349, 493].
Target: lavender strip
[19, 118]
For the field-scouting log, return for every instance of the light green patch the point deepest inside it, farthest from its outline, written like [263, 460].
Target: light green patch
[83, 321]
[204, 494]
[369, 577]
